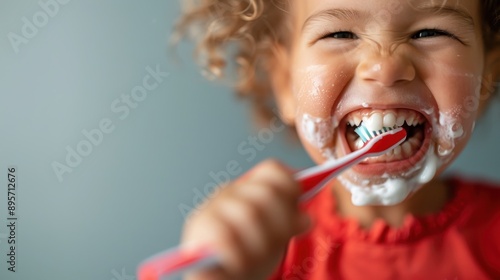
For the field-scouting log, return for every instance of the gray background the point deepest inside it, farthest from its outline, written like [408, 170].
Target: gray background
[122, 202]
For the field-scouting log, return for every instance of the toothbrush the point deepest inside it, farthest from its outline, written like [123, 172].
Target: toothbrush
[177, 261]
[376, 143]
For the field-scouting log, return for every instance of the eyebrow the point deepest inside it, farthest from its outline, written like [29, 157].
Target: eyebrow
[351, 15]
[340, 14]
[456, 12]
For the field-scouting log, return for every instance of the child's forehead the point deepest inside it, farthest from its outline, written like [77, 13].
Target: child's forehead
[368, 9]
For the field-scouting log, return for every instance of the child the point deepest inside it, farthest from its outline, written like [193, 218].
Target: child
[333, 65]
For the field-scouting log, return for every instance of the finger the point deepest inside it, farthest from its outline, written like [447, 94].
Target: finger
[211, 230]
[275, 173]
[248, 222]
[278, 212]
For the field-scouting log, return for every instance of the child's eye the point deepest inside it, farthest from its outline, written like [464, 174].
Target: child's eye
[341, 35]
[428, 33]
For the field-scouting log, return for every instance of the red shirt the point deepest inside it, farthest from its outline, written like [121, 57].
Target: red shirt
[460, 242]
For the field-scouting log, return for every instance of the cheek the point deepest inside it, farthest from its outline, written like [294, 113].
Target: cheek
[458, 94]
[458, 101]
[456, 88]
[317, 88]
[454, 77]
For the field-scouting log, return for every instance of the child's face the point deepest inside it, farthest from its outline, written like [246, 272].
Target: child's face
[420, 63]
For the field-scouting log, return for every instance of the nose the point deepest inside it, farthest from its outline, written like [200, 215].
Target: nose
[386, 68]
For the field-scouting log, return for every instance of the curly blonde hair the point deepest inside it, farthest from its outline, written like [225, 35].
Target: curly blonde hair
[248, 27]
[252, 28]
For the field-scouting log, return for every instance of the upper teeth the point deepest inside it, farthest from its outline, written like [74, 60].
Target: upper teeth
[376, 120]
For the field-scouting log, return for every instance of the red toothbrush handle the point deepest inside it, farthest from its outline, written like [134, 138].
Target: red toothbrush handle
[173, 261]
[310, 182]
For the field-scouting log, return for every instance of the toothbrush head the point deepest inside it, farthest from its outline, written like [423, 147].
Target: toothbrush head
[366, 135]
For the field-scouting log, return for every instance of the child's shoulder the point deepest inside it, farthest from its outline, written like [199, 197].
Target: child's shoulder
[474, 204]
[481, 218]
[480, 190]
[482, 183]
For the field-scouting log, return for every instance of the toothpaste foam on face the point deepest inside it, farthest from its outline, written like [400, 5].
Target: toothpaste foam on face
[393, 189]
[319, 133]
[449, 129]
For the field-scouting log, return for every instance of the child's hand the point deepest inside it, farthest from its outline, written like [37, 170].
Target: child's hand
[249, 223]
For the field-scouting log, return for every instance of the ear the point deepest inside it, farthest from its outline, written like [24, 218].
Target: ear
[280, 77]
[491, 76]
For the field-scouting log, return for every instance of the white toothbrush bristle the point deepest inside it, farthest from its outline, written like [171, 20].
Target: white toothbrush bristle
[365, 135]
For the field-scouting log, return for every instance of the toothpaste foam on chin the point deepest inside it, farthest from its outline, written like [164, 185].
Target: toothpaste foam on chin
[394, 189]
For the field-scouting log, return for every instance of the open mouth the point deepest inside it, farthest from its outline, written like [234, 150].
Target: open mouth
[402, 157]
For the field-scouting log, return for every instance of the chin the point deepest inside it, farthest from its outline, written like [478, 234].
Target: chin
[372, 186]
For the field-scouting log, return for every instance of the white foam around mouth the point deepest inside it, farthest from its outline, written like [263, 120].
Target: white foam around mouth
[394, 189]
